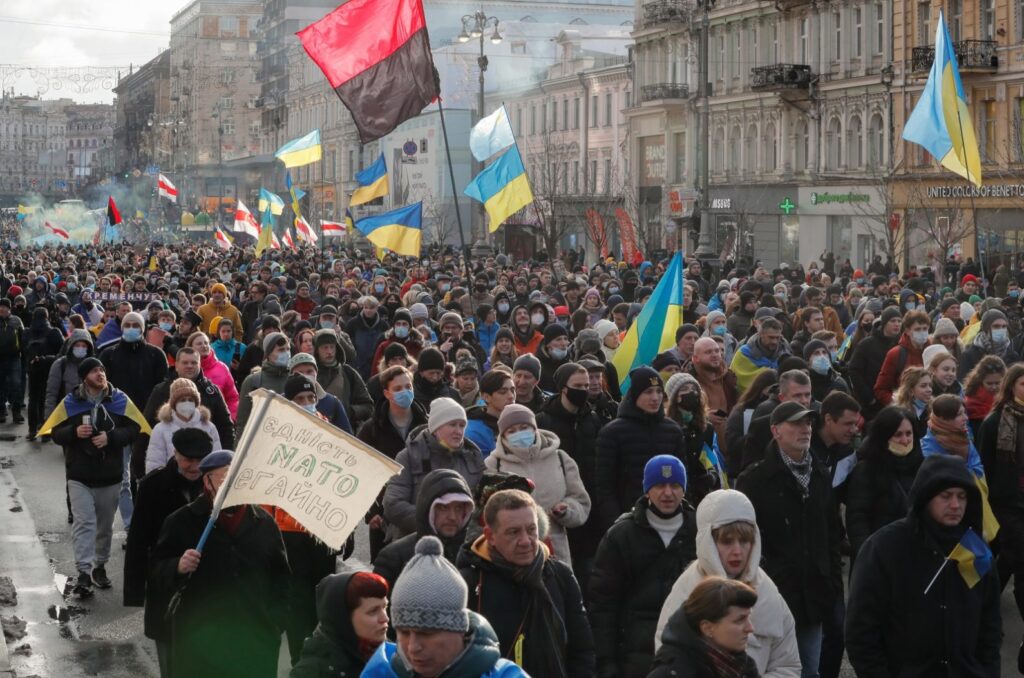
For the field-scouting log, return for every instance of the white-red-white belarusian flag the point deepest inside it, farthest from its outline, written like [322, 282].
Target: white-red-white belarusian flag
[166, 189]
[59, 232]
[332, 228]
[223, 239]
[245, 222]
[304, 231]
[287, 239]
[275, 244]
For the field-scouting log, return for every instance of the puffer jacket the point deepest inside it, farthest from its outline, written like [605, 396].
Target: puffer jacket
[136, 368]
[160, 449]
[556, 479]
[366, 335]
[864, 366]
[219, 373]
[772, 645]
[63, 377]
[271, 377]
[482, 428]
[624, 446]
[633, 572]
[422, 455]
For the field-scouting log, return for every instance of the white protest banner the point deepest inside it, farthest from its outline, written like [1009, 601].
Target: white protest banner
[323, 477]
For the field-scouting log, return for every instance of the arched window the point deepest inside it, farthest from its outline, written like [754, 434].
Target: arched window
[735, 138]
[750, 149]
[834, 144]
[876, 141]
[802, 144]
[771, 148]
[855, 143]
[719, 151]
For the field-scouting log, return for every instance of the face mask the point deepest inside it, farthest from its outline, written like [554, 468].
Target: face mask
[1014, 293]
[521, 439]
[910, 306]
[132, 334]
[503, 308]
[900, 450]
[821, 364]
[720, 330]
[404, 398]
[577, 396]
[443, 287]
[281, 360]
[167, 327]
[378, 288]
[919, 337]
[401, 331]
[1000, 336]
[327, 324]
[538, 319]
[613, 290]
[72, 288]
[559, 353]
[310, 408]
[79, 352]
[186, 408]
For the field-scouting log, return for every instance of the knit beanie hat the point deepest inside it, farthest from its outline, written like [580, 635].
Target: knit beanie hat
[563, 373]
[930, 352]
[133, 317]
[402, 314]
[889, 313]
[664, 468]
[604, 328]
[641, 379]
[665, 359]
[504, 333]
[526, 362]
[513, 415]
[272, 340]
[88, 365]
[944, 327]
[301, 359]
[450, 318]
[812, 346]
[431, 359]
[430, 593]
[182, 389]
[677, 381]
[296, 384]
[443, 411]
[989, 317]
[219, 287]
[419, 311]
[395, 350]
[554, 331]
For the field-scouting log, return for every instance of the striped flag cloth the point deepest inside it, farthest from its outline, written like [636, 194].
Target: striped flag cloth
[166, 189]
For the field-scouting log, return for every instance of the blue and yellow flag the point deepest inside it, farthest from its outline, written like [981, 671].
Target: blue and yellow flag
[295, 192]
[118, 403]
[373, 183]
[712, 461]
[654, 329]
[350, 222]
[266, 239]
[399, 230]
[271, 200]
[502, 187]
[940, 121]
[301, 151]
[972, 557]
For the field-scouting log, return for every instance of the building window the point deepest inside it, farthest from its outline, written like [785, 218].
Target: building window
[876, 145]
[519, 121]
[988, 130]
[750, 149]
[855, 142]
[737, 38]
[802, 145]
[771, 148]
[565, 114]
[424, 145]
[734, 149]
[554, 115]
[609, 98]
[679, 143]
[805, 37]
[565, 177]
[833, 144]
[593, 111]
[837, 33]
[576, 177]
[924, 19]
[593, 177]
[533, 119]
[879, 46]
[518, 48]
[858, 31]
[773, 43]
[576, 113]
[956, 19]
[607, 176]
[721, 56]
[789, 239]
[544, 117]
[718, 159]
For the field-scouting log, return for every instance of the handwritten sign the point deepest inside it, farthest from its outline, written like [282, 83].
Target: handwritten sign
[323, 477]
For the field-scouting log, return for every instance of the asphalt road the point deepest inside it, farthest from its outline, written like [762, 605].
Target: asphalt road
[101, 637]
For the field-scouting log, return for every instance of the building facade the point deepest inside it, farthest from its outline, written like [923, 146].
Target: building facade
[33, 144]
[142, 95]
[90, 132]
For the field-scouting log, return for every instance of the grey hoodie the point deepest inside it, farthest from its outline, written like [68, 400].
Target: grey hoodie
[63, 377]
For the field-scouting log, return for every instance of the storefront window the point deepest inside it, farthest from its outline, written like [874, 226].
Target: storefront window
[789, 240]
[840, 232]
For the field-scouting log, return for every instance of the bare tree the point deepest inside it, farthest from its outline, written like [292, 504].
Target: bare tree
[440, 219]
[547, 160]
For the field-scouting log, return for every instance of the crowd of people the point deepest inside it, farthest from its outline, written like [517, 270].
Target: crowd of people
[780, 488]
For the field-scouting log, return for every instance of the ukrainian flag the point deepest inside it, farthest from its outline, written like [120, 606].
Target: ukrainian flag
[117, 403]
[941, 122]
[398, 230]
[373, 183]
[296, 193]
[266, 239]
[301, 151]
[350, 222]
[654, 330]
[972, 557]
[711, 461]
[271, 200]
[503, 188]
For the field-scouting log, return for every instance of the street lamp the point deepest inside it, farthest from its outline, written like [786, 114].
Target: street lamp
[705, 248]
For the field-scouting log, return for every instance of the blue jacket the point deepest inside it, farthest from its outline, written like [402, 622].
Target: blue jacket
[482, 658]
[332, 408]
[225, 350]
[930, 446]
[487, 335]
[483, 435]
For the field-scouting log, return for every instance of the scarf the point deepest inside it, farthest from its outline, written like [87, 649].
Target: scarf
[952, 439]
[801, 470]
[725, 664]
[984, 340]
[1006, 438]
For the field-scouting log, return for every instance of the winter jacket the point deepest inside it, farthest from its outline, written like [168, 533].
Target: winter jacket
[381, 434]
[486, 335]
[892, 628]
[63, 376]
[332, 409]
[160, 449]
[623, 448]
[901, 356]
[864, 366]
[228, 351]
[497, 592]
[344, 383]
[548, 366]
[366, 335]
[210, 397]
[556, 479]
[482, 428]
[772, 645]
[427, 392]
[482, 658]
[974, 353]
[823, 384]
[393, 557]
[84, 462]
[423, 454]
[218, 372]
[12, 340]
[878, 493]
[134, 367]
[683, 654]
[332, 651]
[413, 345]
[930, 446]
[632, 574]
[208, 311]
[270, 377]
[799, 535]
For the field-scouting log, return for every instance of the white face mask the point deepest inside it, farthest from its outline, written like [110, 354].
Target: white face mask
[185, 409]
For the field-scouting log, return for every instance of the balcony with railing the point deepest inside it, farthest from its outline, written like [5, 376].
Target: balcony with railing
[973, 56]
[662, 12]
[664, 91]
[777, 77]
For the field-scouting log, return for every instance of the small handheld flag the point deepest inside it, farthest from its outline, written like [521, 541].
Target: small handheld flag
[398, 230]
[491, 135]
[973, 559]
[301, 151]
[373, 183]
[711, 461]
[166, 189]
[113, 214]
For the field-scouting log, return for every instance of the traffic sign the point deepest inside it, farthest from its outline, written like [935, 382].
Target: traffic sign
[153, 170]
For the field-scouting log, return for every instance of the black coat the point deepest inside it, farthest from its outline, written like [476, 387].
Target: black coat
[633, 574]
[503, 601]
[232, 609]
[332, 651]
[683, 654]
[624, 446]
[135, 367]
[864, 366]
[84, 462]
[699, 480]
[877, 493]
[548, 366]
[161, 492]
[380, 433]
[799, 536]
[892, 629]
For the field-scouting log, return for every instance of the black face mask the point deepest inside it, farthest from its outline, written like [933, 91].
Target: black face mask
[689, 401]
[577, 396]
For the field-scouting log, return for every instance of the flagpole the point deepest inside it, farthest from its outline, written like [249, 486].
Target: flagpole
[941, 568]
[515, 142]
[455, 193]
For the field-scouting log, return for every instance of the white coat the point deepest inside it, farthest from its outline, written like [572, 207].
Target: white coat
[160, 449]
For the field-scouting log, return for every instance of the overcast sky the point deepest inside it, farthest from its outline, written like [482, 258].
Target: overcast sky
[60, 33]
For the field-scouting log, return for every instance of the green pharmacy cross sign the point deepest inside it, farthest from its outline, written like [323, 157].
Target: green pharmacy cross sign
[787, 205]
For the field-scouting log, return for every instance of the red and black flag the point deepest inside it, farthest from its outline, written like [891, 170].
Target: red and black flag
[376, 55]
[113, 215]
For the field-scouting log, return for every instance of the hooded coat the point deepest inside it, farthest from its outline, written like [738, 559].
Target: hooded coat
[772, 645]
[392, 559]
[423, 454]
[160, 449]
[556, 479]
[343, 382]
[865, 364]
[63, 376]
[631, 579]
[878, 493]
[332, 651]
[892, 629]
[271, 377]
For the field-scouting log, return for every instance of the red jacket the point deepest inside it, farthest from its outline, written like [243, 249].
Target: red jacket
[530, 346]
[888, 379]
